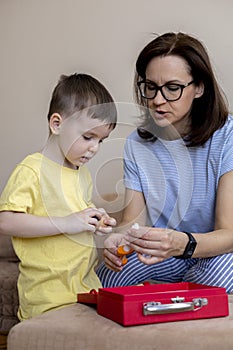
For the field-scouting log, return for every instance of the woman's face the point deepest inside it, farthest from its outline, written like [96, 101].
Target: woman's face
[172, 69]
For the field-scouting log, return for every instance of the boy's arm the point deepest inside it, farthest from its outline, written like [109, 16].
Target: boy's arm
[26, 225]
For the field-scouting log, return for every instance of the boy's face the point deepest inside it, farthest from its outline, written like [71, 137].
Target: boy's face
[79, 139]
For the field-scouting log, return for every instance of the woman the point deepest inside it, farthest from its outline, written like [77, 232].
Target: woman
[178, 173]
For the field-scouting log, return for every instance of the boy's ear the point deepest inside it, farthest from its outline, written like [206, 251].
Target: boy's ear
[55, 123]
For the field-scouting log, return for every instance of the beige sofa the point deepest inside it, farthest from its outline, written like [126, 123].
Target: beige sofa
[8, 285]
[79, 327]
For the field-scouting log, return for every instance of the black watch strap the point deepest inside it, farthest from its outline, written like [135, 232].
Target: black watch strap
[189, 249]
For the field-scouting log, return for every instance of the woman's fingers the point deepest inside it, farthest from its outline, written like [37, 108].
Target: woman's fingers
[112, 261]
[149, 259]
[152, 242]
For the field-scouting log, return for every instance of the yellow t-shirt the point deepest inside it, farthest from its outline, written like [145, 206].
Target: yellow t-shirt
[53, 269]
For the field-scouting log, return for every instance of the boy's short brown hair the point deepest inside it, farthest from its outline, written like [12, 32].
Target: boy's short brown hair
[76, 92]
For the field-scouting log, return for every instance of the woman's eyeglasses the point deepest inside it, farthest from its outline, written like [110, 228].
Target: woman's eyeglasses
[170, 91]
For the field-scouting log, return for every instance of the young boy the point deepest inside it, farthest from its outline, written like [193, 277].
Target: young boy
[46, 205]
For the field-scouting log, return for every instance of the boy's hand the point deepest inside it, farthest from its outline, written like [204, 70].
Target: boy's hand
[105, 223]
[84, 220]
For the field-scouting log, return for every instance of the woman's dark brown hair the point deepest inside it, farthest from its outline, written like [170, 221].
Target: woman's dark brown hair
[209, 112]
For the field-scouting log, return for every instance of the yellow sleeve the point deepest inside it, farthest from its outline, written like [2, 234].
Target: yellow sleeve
[20, 191]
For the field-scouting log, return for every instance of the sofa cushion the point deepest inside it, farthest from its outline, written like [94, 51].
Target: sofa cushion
[6, 249]
[8, 295]
[80, 327]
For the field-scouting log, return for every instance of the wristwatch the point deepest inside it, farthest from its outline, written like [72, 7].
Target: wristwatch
[189, 249]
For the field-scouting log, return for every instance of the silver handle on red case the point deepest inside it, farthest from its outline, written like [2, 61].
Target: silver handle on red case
[156, 308]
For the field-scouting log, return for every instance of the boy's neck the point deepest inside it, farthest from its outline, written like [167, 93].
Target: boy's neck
[52, 151]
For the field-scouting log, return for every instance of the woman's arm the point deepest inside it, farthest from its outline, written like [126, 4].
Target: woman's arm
[156, 244]
[134, 210]
[219, 241]
[160, 244]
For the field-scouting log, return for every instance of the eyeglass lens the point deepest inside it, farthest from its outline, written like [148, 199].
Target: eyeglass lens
[169, 91]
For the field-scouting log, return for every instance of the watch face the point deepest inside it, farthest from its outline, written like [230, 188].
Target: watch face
[191, 249]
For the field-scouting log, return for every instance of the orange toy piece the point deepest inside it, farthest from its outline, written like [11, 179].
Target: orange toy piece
[122, 251]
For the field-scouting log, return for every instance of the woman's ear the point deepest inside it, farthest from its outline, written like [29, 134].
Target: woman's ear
[55, 123]
[199, 90]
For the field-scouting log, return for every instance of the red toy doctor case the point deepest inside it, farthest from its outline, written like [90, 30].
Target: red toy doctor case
[154, 303]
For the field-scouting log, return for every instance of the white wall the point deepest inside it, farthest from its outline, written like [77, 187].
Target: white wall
[39, 40]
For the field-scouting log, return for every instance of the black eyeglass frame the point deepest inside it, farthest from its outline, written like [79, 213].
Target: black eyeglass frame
[159, 88]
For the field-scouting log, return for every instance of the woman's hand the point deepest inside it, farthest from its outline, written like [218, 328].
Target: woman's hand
[111, 244]
[154, 245]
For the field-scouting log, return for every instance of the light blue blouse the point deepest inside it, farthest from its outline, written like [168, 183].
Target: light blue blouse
[179, 183]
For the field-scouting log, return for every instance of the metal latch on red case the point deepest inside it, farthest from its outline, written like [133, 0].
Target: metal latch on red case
[178, 305]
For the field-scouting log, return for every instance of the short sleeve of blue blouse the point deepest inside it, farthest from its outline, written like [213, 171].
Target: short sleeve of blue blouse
[227, 153]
